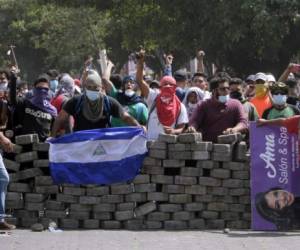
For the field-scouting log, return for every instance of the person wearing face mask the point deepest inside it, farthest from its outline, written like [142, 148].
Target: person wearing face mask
[92, 109]
[166, 113]
[261, 100]
[4, 79]
[236, 92]
[193, 96]
[35, 115]
[53, 75]
[220, 114]
[130, 101]
[279, 109]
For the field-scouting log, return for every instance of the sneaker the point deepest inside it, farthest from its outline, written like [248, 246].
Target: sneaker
[5, 226]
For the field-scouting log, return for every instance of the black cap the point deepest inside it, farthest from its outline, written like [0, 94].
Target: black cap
[42, 78]
[180, 75]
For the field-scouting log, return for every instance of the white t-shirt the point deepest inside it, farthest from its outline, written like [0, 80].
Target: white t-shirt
[154, 126]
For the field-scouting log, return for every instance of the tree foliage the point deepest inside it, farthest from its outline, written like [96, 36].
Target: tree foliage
[243, 36]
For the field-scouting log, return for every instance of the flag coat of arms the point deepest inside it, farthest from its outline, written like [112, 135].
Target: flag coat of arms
[100, 156]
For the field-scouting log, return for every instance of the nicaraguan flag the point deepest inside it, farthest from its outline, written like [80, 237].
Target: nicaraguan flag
[100, 156]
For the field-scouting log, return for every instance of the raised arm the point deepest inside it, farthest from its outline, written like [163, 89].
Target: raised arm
[144, 87]
[108, 85]
[291, 68]
[200, 56]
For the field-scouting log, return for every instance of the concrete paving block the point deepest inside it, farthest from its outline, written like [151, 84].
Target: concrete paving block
[236, 166]
[110, 224]
[239, 191]
[196, 224]
[145, 209]
[191, 172]
[153, 224]
[33, 197]
[40, 146]
[229, 139]
[134, 224]
[171, 163]
[201, 155]
[27, 222]
[17, 149]
[157, 196]
[41, 163]
[81, 207]
[220, 173]
[238, 224]
[195, 189]
[113, 198]
[180, 155]
[218, 191]
[183, 215]
[11, 196]
[145, 188]
[207, 164]
[55, 214]
[19, 187]
[204, 198]
[162, 179]
[43, 181]
[102, 215]
[124, 215]
[223, 157]
[237, 207]
[91, 224]
[242, 175]
[14, 177]
[152, 170]
[217, 206]
[176, 147]
[209, 181]
[233, 183]
[209, 215]
[67, 198]
[185, 180]
[26, 157]
[222, 148]
[54, 205]
[158, 153]
[136, 197]
[32, 206]
[69, 223]
[189, 137]
[79, 215]
[241, 152]
[167, 138]
[194, 207]
[158, 216]
[104, 207]
[141, 179]
[30, 173]
[175, 225]
[89, 200]
[122, 189]
[230, 215]
[173, 189]
[170, 208]
[150, 161]
[158, 145]
[180, 198]
[20, 213]
[14, 204]
[26, 139]
[215, 224]
[53, 189]
[202, 146]
[97, 191]
[11, 165]
[245, 199]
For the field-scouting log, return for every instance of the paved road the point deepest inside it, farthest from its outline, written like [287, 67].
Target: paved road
[115, 240]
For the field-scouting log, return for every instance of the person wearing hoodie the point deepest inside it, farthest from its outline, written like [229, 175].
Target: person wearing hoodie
[193, 96]
[279, 108]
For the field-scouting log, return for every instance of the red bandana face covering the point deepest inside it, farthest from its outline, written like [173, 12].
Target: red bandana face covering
[167, 105]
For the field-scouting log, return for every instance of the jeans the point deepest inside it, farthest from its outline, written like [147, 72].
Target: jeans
[4, 179]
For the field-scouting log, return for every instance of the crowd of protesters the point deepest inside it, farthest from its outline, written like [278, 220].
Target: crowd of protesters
[58, 104]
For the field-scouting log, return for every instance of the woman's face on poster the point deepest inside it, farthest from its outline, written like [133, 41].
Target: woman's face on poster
[279, 199]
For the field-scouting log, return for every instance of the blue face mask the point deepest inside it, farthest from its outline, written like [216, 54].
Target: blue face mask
[92, 95]
[53, 85]
[223, 98]
[279, 99]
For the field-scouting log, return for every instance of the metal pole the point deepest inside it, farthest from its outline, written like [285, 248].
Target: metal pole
[14, 56]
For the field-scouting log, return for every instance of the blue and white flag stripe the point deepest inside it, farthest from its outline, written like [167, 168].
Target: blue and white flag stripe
[101, 156]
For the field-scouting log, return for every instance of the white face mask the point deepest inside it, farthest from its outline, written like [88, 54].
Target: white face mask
[279, 99]
[3, 86]
[129, 92]
[92, 95]
[192, 105]
[223, 98]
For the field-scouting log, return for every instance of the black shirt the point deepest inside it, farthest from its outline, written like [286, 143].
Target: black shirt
[30, 119]
[81, 123]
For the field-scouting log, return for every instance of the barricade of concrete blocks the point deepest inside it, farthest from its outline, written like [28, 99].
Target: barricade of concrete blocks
[185, 183]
